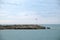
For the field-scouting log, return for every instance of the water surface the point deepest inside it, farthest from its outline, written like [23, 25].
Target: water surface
[30, 34]
[45, 34]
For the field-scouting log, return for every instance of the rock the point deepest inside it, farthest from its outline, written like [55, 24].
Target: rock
[48, 27]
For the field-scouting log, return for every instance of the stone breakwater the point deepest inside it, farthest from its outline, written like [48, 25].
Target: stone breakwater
[22, 27]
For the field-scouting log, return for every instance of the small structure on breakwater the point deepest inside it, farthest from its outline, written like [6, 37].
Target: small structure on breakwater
[22, 27]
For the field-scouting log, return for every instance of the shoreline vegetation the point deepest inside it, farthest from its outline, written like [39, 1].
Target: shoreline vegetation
[23, 27]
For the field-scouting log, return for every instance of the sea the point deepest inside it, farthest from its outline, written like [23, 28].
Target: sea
[41, 34]
[52, 26]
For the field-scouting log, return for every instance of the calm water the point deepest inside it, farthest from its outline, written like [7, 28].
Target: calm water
[48, 34]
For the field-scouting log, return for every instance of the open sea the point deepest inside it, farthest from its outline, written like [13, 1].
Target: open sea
[40, 34]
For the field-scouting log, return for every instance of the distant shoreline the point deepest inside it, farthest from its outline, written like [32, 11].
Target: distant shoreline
[31, 26]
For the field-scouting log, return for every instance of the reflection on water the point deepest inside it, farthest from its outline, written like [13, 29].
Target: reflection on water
[30, 34]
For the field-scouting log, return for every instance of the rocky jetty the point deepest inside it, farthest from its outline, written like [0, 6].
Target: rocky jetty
[22, 27]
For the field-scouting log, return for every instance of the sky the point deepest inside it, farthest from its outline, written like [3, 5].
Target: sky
[29, 11]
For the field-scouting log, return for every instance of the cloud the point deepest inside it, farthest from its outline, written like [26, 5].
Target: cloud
[3, 13]
[29, 12]
[26, 17]
[7, 21]
[14, 2]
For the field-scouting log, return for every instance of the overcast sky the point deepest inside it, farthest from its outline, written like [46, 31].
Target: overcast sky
[29, 12]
